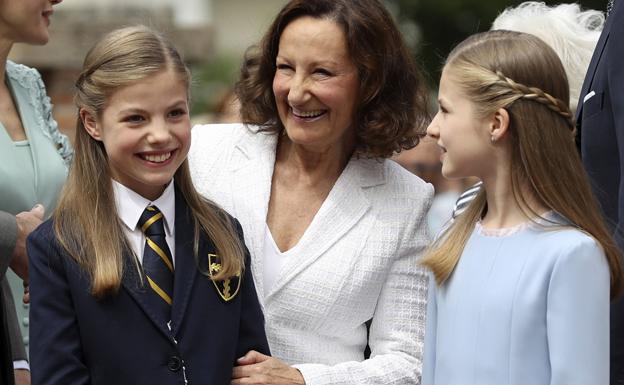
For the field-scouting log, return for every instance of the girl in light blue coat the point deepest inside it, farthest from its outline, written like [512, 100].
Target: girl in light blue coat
[523, 278]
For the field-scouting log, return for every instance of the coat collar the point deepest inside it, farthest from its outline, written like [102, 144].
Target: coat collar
[253, 165]
[186, 265]
[135, 283]
[253, 162]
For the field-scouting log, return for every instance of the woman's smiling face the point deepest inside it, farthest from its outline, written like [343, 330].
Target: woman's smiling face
[316, 84]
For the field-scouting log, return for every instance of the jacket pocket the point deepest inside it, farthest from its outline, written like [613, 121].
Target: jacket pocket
[593, 105]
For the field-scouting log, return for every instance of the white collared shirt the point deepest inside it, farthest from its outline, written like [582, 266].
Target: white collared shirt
[130, 207]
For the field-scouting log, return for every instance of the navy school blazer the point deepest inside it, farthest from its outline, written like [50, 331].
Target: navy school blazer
[77, 339]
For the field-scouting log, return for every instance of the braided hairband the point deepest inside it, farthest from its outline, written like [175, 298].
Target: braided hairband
[536, 94]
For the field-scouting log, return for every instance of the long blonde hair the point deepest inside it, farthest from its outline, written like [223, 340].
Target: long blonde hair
[85, 221]
[519, 72]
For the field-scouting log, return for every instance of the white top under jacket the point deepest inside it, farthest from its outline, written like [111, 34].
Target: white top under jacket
[358, 260]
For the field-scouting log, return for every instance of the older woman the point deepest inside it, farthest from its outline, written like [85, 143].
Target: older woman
[335, 229]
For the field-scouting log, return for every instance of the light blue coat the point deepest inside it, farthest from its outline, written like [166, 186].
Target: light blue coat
[530, 307]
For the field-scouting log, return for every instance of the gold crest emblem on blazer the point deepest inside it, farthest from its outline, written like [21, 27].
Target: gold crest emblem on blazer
[227, 288]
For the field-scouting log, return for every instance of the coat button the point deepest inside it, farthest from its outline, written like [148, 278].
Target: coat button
[174, 364]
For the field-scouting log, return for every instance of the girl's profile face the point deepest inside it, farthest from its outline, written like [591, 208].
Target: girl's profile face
[145, 129]
[463, 136]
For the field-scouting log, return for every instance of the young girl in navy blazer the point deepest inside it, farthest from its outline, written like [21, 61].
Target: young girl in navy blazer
[136, 279]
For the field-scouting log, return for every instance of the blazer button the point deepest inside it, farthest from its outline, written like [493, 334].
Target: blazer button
[174, 364]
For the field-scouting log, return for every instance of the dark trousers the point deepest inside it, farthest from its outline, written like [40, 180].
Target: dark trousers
[6, 361]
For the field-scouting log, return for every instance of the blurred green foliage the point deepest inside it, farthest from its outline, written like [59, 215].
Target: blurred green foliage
[434, 27]
[211, 81]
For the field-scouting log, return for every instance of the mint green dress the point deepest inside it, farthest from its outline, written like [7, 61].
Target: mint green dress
[33, 170]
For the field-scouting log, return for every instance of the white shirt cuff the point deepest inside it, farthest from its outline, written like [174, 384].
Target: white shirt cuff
[21, 364]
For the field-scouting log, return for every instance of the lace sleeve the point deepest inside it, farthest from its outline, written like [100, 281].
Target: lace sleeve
[49, 126]
[30, 80]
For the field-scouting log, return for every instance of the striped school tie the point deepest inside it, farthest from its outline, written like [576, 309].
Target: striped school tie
[157, 259]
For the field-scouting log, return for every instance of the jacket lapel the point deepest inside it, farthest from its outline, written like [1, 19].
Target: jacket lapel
[253, 162]
[343, 208]
[185, 263]
[591, 71]
[132, 283]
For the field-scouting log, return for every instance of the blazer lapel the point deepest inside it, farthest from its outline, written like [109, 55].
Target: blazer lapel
[591, 71]
[132, 283]
[185, 263]
[253, 160]
[343, 208]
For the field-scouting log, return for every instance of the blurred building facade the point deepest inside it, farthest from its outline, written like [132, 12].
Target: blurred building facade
[201, 29]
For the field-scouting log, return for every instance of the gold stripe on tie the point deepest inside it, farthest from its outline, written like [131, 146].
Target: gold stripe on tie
[160, 291]
[149, 222]
[160, 253]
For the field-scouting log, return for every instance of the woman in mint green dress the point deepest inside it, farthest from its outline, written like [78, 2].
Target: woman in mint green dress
[34, 158]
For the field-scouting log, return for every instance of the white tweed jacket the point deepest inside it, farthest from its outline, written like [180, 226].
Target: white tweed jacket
[358, 260]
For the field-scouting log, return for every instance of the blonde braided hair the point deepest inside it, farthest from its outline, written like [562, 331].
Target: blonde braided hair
[544, 162]
[536, 94]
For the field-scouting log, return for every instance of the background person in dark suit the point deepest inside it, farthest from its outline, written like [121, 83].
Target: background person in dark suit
[600, 121]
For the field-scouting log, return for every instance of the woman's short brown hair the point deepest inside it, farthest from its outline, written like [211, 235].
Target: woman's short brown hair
[391, 113]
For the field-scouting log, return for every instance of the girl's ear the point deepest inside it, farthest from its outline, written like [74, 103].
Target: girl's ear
[499, 124]
[90, 124]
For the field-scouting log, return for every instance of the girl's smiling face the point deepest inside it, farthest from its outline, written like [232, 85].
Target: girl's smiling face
[145, 129]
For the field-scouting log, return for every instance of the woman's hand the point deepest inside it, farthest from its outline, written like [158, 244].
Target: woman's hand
[22, 377]
[27, 221]
[257, 369]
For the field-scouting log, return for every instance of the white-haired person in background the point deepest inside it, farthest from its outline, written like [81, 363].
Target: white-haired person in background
[569, 30]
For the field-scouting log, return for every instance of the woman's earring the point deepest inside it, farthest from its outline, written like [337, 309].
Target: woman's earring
[492, 139]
